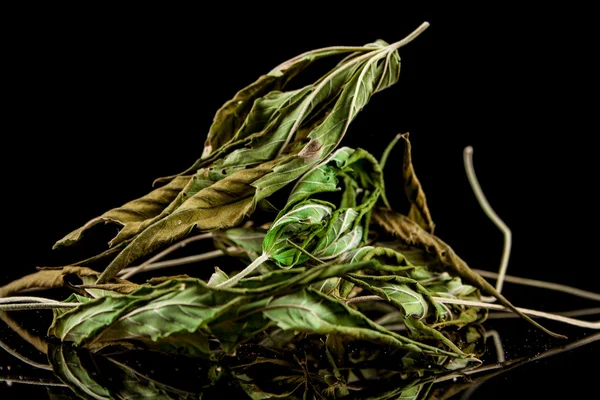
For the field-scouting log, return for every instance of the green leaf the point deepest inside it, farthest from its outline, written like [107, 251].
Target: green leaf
[132, 214]
[322, 180]
[341, 245]
[301, 223]
[304, 218]
[233, 115]
[406, 294]
[148, 315]
[365, 74]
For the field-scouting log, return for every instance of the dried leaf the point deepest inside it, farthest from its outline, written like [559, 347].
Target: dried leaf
[49, 278]
[220, 206]
[131, 215]
[419, 212]
[412, 234]
[313, 312]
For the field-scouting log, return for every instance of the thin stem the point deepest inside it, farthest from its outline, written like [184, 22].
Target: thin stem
[388, 150]
[535, 313]
[181, 261]
[30, 381]
[542, 284]
[489, 211]
[21, 357]
[164, 253]
[383, 161]
[497, 344]
[584, 312]
[303, 251]
[363, 299]
[249, 269]
[316, 52]
[24, 299]
[412, 36]
[35, 306]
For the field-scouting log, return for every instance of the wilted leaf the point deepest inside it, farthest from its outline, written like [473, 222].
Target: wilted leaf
[49, 278]
[148, 315]
[412, 234]
[220, 206]
[419, 212]
[313, 312]
[131, 215]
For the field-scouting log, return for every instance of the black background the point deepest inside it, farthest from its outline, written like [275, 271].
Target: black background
[100, 102]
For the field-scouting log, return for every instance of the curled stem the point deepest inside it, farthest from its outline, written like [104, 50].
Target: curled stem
[489, 211]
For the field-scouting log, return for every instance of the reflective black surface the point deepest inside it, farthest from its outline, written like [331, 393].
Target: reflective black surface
[103, 103]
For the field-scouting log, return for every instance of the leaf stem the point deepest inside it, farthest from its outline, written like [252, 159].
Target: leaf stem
[412, 36]
[35, 306]
[362, 299]
[542, 284]
[163, 254]
[489, 211]
[31, 381]
[383, 161]
[527, 311]
[572, 313]
[316, 52]
[30, 299]
[535, 313]
[249, 269]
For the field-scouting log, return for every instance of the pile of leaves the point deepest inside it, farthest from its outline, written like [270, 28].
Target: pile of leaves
[339, 289]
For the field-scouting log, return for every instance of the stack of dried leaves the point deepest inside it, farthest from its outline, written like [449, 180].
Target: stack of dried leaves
[307, 301]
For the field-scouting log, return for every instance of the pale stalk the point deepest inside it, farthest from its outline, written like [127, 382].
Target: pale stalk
[534, 313]
[491, 214]
[542, 284]
[248, 270]
[480, 304]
